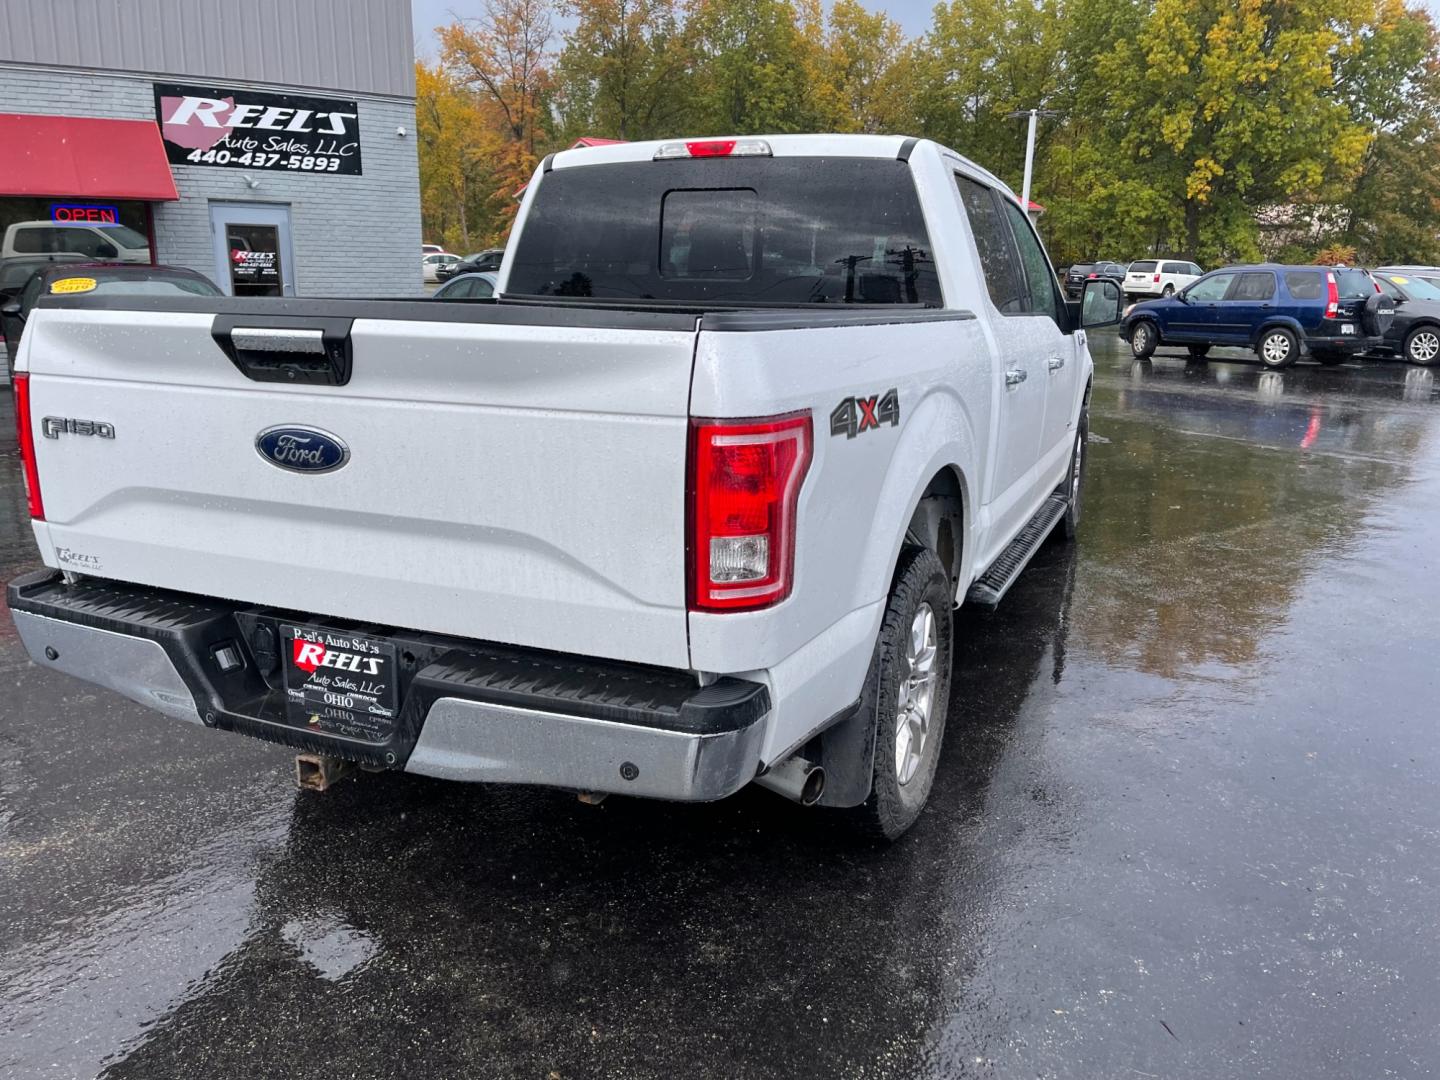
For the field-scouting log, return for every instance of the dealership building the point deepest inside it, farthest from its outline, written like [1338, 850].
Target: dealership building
[268, 144]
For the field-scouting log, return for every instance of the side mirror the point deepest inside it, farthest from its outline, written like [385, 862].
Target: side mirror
[1183, 297]
[11, 308]
[1101, 304]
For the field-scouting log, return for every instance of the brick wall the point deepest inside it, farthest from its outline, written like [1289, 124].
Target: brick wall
[352, 235]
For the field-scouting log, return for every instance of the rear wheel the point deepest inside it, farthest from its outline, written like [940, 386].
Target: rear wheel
[1168, 291]
[1143, 339]
[908, 694]
[1422, 345]
[1277, 348]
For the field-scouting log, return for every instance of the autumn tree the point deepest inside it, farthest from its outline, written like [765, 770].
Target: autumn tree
[502, 58]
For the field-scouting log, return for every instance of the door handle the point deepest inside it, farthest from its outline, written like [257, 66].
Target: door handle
[1015, 376]
[1056, 363]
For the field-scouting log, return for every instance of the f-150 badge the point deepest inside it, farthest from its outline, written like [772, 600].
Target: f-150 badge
[857, 414]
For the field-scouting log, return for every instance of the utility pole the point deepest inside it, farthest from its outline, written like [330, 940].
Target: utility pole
[1032, 115]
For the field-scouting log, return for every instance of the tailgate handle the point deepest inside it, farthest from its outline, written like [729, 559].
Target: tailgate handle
[286, 349]
[271, 339]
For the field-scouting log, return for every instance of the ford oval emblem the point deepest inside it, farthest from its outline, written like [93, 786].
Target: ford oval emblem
[301, 449]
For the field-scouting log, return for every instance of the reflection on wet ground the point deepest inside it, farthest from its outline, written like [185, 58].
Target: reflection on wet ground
[1186, 826]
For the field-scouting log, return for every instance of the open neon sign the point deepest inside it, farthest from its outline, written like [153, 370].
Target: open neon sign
[84, 214]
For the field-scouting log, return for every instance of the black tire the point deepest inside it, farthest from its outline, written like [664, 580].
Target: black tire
[893, 805]
[1167, 292]
[1075, 478]
[1144, 336]
[1422, 345]
[1277, 348]
[1329, 359]
[1198, 352]
[1378, 314]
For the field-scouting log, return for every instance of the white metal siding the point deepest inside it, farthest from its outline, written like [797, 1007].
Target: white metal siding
[357, 45]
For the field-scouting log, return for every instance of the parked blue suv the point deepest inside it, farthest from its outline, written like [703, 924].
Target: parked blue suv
[1279, 311]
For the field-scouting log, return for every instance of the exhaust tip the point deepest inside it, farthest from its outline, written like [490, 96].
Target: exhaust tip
[813, 788]
[798, 780]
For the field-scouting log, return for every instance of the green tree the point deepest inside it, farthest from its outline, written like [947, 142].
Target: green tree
[1227, 106]
[750, 68]
[624, 71]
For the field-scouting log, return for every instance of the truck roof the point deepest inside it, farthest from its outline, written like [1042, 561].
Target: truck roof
[879, 146]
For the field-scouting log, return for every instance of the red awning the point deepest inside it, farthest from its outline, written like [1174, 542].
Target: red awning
[83, 156]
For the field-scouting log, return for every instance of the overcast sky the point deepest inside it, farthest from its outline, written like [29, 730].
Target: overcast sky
[913, 15]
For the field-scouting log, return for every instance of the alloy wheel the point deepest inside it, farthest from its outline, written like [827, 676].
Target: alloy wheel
[1425, 347]
[917, 695]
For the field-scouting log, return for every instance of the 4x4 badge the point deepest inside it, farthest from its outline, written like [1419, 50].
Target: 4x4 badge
[857, 414]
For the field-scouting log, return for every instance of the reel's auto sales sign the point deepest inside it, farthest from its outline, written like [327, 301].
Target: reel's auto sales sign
[247, 129]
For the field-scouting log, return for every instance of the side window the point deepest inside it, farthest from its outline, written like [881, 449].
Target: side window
[1195, 269]
[30, 241]
[481, 289]
[997, 258]
[1039, 275]
[1174, 268]
[1213, 287]
[1254, 287]
[1303, 284]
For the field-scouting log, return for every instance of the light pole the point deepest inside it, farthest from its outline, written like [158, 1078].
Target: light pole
[1032, 115]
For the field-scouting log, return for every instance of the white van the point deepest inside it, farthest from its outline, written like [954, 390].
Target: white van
[117, 243]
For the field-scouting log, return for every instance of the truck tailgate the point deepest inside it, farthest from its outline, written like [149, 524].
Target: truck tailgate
[513, 481]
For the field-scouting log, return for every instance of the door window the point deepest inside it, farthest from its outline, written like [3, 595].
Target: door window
[255, 268]
[1254, 287]
[1042, 293]
[1213, 287]
[31, 241]
[992, 239]
[1175, 268]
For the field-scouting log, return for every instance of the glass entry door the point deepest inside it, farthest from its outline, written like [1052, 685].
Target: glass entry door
[253, 252]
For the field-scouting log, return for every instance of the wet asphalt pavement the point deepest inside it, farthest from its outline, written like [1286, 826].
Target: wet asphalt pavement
[1186, 825]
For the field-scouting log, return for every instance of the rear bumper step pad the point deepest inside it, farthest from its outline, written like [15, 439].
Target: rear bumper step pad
[469, 710]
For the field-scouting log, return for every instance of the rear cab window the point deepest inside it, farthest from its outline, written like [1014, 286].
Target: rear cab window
[743, 231]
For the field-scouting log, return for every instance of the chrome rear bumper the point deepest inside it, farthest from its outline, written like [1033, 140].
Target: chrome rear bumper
[470, 710]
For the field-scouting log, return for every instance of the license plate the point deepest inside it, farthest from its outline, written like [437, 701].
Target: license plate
[1347, 328]
[340, 683]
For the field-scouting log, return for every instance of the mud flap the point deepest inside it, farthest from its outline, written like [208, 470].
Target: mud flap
[847, 749]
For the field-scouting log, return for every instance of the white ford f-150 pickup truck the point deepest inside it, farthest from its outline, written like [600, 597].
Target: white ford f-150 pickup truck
[688, 506]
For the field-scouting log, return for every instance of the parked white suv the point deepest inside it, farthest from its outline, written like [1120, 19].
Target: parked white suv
[109, 243]
[690, 505]
[431, 263]
[1159, 277]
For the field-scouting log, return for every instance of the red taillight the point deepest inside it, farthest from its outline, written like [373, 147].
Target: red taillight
[1094, 276]
[25, 435]
[1157, 279]
[1332, 298]
[745, 479]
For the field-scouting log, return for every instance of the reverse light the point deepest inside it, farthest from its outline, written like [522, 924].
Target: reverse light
[25, 436]
[745, 479]
[1332, 297]
[710, 148]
